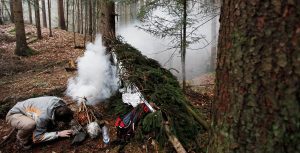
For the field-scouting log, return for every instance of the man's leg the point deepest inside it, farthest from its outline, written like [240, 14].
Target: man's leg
[25, 126]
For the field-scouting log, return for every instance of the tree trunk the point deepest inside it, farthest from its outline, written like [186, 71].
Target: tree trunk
[73, 23]
[85, 23]
[12, 16]
[29, 11]
[184, 45]
[257, 78]
[107, 23]
[67, 8]
[21, 44]
[81, 17]
[37, 19]
[44, 14]
[49, 17]
[61, 15]
[78, 16]
[6, 9]
[90, 18]
[213, 52]
[1, 13]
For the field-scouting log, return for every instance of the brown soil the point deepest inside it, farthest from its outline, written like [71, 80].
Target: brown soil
[44, 74]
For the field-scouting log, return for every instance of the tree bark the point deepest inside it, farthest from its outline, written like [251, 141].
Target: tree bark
[44, 14]
[107, 23]
[61, 15]
[21, 44]
[37, 19]
[257, 78]
[49, 17]
[29, 11]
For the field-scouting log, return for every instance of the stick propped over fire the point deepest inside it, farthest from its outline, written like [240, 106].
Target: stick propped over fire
[85, 114]
[86, 117]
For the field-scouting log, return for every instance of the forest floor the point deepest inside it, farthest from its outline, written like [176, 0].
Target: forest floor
[44, 74]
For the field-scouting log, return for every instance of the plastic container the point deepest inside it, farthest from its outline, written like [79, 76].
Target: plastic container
[105, 134]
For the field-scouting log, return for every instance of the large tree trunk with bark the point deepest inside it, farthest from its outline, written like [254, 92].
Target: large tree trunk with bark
[21, 44]
[107, 23]
[44, 14]
[61, 15]
[37, 19]
[258, 78]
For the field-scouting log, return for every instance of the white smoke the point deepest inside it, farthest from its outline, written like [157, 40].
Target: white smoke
[96, 78]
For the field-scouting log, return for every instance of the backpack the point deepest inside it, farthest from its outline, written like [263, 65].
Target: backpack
[127, 124]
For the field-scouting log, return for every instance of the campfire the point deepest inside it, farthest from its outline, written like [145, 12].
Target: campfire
[84, 114]
[86, 121]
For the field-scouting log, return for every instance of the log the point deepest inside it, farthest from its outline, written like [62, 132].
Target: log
[174, 140]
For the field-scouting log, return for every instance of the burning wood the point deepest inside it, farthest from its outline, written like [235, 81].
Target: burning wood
[86, 117]
[84, 114]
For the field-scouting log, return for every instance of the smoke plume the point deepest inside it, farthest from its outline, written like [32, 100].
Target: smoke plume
[96, 78]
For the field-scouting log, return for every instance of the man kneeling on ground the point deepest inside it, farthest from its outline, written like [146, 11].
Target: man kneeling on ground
[33, 116]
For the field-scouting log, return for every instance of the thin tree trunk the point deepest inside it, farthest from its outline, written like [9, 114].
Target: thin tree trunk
[44, 14]
[85, 23]
[90, 18]
[61, 15]
[213, 55]
[81, 17]
[37, 19]
[67, 8]
[73, 24]
[1, 14]
[49, 17]
[29, 11]
[78, 16]
[184, 45]
[6, 9]
[12, 16]
[21, 44]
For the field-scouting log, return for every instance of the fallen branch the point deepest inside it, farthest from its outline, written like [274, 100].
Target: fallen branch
[8, 136]
[174, 140]
[197, 117]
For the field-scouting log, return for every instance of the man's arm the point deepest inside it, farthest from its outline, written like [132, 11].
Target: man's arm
[40, 134]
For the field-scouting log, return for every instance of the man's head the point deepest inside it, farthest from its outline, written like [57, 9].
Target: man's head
[64, 114]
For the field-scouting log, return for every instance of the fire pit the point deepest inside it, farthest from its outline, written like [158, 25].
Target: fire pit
[86, 117]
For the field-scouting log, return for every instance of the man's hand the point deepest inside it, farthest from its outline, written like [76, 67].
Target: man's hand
[64, 133]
